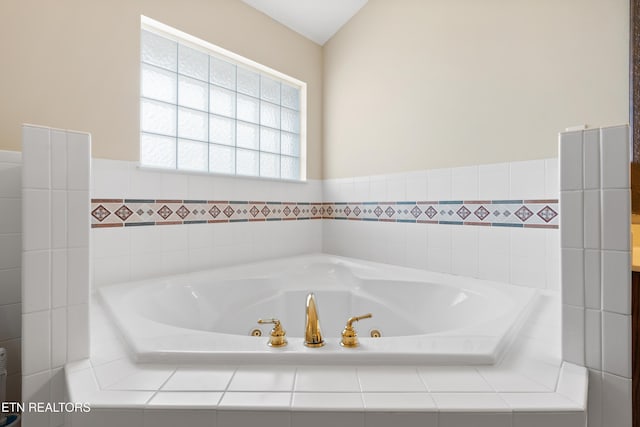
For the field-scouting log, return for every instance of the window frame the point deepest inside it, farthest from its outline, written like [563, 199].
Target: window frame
[163, 30]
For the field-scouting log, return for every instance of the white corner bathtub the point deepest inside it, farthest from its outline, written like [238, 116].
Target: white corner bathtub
[424, 317]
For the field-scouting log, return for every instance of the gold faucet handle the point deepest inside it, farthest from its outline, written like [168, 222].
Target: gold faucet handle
[349, 335]
[277, 337]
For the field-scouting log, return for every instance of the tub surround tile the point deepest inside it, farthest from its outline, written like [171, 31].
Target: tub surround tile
[327, 379]
[616, 344]
[556, 419]
[387, 379]
[470, 402]
[185, 400]
[614, 150]
[125, 375]
[36, 147]
[616, 400]
[199, 379]
[592, 219]
[36, 277]
[404, 419]
[571, 173]
[503, 380]
[525, 401]
[238, 400]
[591, 152]
[255, 379]
[616, 279]
[572, 383]
[253, 418]
[573, 337]
[592, 279]
[350, 402]
[449, 379]
[571, 226]
[476, 419]
[572, 276]
[593, 339]
[396, 402]
[327, 418]
[594, 404]
[616, 221]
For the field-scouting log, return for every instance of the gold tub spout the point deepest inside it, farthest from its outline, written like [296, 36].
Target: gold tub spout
[312, 333]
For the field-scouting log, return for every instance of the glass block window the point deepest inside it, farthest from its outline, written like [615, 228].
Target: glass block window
[202, 111]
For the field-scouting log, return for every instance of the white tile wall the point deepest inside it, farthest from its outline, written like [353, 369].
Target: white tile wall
[595, 221]
[55, 256]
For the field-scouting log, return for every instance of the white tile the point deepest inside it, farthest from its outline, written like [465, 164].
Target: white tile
[253, 418]
[525, 402]
[493, 181]
[36, 211]
[174, 237]
[327, 418]
[10, 321]
[107, 418]
[591, 165]
[178, 417]
[36, 342]
[453, 379]
[260, 379]
[494, 249]
[124, 375]
[527, 179]
[185, 399]
[114, 399]
[396, 188]
[78, 278]
[592, 219]
[78, 160]
[58, 219]
[58, 159]
[149, 239]
[58, 337]
[36, 281]
[111, 270]
[552, 178]
[592, 276]
[416, 246]
[614, 156]
[14, 352]
[616, 344]
[199, 379]
[327, 379]
[592, 339]
[11, 182]
[57, 394]
[476, 419]
[616, 219]
[327, 401]
[571, 219]
[78, 222]
[572, 267]
[10, 250]
[237, 400]
[416, 186]
[116, 241]
[439, 184]
[572, 383]
[503, 380]
[398, 402]
[36, 387]
[175, 186]
[573, 334]
[110, 178]
[404, 419]
[527, 257]
[571, 161]
[616, 401]
[594, 401]
[390, 379]
[553, 419]
[464, 183]
[36, 157]
[10, 291]
[77, 332]
[465, 250]
[470, 402]
[552, 261]
[11, 216]
[438, 259]
[616, 281]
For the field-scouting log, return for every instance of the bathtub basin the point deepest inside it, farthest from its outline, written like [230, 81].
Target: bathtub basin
[423, 317]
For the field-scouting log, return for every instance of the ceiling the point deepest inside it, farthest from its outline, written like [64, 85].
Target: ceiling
[317, 20]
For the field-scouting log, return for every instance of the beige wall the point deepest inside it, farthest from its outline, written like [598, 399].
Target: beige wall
[74, 64]
[417, 84]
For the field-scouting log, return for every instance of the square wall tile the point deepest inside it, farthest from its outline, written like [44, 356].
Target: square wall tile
[321, 379]
[77, 332]
[36, 157]
[571, 219]
[404, 419]
[570, 161]
[614, 156]
[439, 184]
[592, 219]
[10, 321]
[616, 401]
[616, 281]
[58, 278]
[59, 219]
[36, 222]
[78, 160]
[616, 219]
[592, 276]
[527, 180]
[58, 337]
[616, 344]
[493, 181]
[591, 151]
[327, 418]
[11, 289]
[36, 341]
[572, 269]
[593, 338]
[253, 418]
[78, 276]
[58, 159]
[257, 379]
[594, 399]
[464, 183]
[178, 417]
[546, 419]
[78, 223]
[573, 334]
[36, 281]
[476, 419]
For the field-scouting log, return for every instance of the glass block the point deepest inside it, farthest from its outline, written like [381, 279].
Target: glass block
[248, 82]
[290, 144]
[269, 115]
[289, 167]
[290, 97]
[193, 93]
[222, 101]
[158, 117]
[290, 120]
[193, 124]
[223, 73]
[246, 162]
[158, 84]
[247, 135]
[222, 130]
[192, 155]
[193, 63]
[269, 165]
[157, 50]
[222, 159]
[269, 140]
[157, 151]
[248, 109]
[269, 90]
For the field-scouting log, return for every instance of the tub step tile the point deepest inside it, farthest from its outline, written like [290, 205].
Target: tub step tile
[199, 379]
[263, 379]
[327, 379]
[390, 379]
[449, 379]
[399, 402]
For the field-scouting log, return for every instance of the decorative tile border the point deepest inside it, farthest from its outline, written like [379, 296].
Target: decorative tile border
[497, 213]
[500, 213]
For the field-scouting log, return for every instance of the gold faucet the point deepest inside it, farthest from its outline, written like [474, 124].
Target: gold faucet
[277, 338]
[349, 336]
[312, 334]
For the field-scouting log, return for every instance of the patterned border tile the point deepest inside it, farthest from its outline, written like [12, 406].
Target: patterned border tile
[496, 213]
